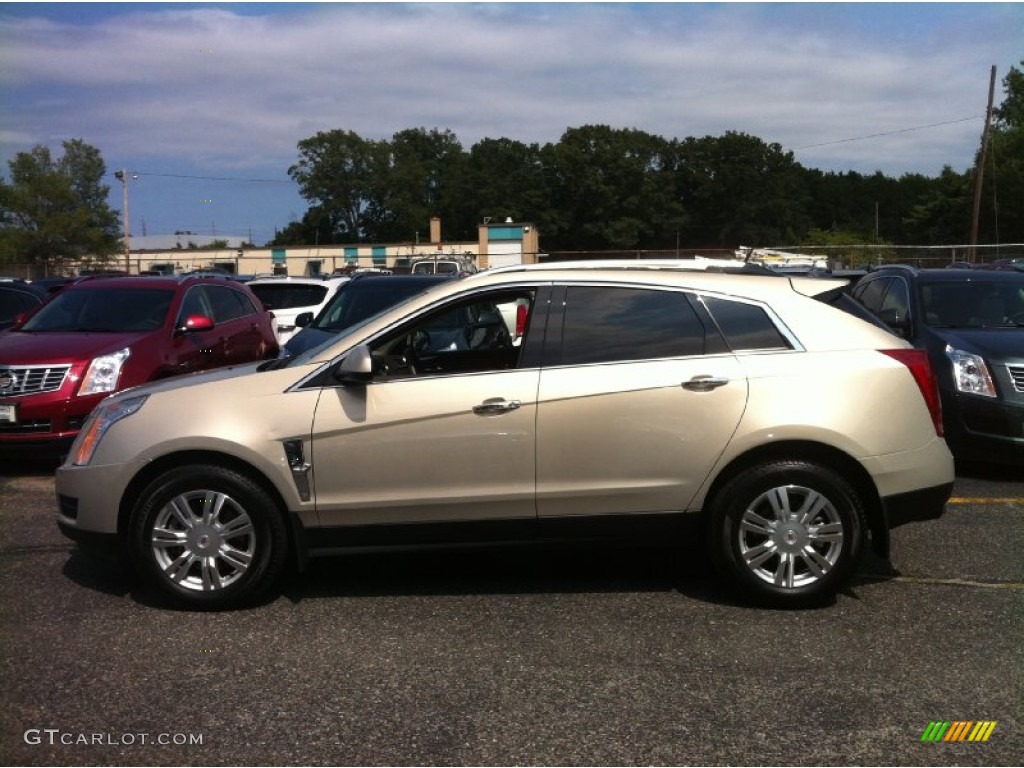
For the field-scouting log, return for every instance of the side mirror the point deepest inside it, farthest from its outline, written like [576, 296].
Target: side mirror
[19, 320]
[195, 323]
[357, 367]
[303, 319]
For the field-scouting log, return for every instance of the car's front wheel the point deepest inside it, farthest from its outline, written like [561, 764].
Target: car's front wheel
[208, 536]
[787, 532]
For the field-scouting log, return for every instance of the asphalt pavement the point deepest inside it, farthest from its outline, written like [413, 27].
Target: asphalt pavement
[609, 657]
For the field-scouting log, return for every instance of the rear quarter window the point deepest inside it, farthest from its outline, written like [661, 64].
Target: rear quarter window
[289, 296]
[746, 327]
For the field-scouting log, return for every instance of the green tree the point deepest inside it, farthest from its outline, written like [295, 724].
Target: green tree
[614, 189]
[505, 179]
[425, 177]
[339, 173]
[315, 228]
[55, 211]
[741, 191]
[943, 214]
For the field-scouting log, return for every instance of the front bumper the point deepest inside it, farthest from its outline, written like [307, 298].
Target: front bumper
[985, 429]
[89, 499]
[45, 420]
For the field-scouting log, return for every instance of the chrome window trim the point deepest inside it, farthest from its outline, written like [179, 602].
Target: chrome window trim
[780, 326]
[304, 382]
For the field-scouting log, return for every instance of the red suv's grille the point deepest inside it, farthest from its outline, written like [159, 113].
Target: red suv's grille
[29, 380]
[36, 426]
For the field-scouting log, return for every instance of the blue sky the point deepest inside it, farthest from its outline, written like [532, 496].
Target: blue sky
[207, 101]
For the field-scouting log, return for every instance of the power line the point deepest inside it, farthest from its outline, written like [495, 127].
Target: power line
[215, 178]
[890, 133]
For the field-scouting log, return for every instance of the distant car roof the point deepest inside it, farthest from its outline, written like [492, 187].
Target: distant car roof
[963, 275]
[364, 276]
[148, 281]
[300, 279]
[17, 284]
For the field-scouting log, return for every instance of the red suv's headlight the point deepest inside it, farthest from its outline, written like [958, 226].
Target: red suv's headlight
[103, 373]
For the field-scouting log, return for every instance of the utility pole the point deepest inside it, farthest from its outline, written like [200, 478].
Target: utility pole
[122, 176]
[979, 170]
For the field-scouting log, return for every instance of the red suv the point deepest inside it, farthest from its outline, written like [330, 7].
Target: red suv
[107, 334]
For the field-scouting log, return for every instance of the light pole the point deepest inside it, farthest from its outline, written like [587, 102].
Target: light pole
[122, 176]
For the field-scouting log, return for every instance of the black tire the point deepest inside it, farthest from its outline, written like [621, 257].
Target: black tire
[208, 536]
[787, 533]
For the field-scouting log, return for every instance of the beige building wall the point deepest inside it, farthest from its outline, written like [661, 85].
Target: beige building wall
[505, 243]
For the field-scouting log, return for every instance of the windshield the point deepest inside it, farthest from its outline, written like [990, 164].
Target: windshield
[360, 300]
[103, 310]
[974, 304]
[289, 295]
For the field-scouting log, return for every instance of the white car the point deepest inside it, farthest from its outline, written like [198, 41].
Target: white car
[289, 297]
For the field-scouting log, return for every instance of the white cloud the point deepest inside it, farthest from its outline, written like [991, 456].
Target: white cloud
[238, 87]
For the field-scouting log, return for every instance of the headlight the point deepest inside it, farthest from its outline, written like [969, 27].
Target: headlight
[103, 417]
[970, 374]
[103, 373]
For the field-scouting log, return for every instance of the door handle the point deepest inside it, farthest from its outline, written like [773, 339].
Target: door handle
[705, 383]
[496, 405]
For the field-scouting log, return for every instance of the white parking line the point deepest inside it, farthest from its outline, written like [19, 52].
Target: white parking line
[962, 582]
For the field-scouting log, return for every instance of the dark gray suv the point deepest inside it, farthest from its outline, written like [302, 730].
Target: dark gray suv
[360, 298]
[971, 322]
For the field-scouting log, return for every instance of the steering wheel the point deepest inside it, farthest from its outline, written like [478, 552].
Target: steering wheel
[420, 341]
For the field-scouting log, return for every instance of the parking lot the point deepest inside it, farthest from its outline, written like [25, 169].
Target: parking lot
[517, 657]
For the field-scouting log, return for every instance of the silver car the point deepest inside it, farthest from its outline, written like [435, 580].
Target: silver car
[625, 402]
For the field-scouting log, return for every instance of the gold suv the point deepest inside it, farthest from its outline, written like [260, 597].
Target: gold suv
[623, 401]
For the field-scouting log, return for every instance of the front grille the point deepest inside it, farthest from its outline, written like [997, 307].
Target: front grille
[31, 380]
[1017, 374]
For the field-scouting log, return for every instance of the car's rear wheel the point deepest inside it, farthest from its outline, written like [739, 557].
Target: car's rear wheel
[787, 532]
[208, 536]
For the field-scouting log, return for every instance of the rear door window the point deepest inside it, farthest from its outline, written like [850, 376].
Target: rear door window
[608, 324]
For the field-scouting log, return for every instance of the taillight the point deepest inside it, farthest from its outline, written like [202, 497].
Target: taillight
[521, 315]
[921, 368]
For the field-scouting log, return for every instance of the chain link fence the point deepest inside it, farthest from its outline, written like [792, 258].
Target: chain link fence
[836, 256]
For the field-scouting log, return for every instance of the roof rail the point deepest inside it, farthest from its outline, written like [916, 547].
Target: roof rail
[903, 267]
[678, 265]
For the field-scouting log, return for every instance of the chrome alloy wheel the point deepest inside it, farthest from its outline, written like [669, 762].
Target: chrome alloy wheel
[203, 540]
[790, 536]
